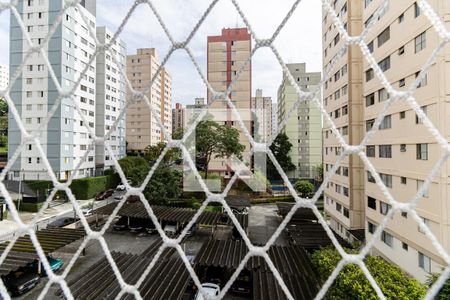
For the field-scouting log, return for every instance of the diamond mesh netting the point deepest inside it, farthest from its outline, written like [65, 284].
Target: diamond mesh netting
[34, 138]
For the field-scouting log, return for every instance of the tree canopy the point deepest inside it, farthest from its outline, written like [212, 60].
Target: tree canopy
[280, 149]
[351, 283]
[213, 140]
[304, 188]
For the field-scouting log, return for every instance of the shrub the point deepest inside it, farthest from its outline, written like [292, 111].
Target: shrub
[87, 188]
[444, 292]
[351, 282]
[29, 207]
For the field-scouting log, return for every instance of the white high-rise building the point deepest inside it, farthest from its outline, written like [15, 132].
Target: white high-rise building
[64, 137]
[4, 76]
[110, 102]
[262, 109]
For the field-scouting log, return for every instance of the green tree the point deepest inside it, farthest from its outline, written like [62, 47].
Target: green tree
[351, 282]
[164, 185]
[280, 149]
[3, 124]
[319, 172]
[172, 156]
[444, 292]
[304, 188]
[215, 141]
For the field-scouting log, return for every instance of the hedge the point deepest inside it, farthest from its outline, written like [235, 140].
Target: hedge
[29, 207]
[272, 200]
[83, 188]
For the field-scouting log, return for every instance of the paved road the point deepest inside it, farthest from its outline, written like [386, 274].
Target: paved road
[263, 221]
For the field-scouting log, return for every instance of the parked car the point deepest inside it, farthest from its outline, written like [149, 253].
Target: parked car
[61, 222]
[135, 225]
[242, 285]
[121, 224]
[55, 265]
[210, 289]
[87, 212]
[20, 281]
[118, 197]
[104, 195]
[150, 227]
[133, 199]
[192, 230]
[121, 187]
[170, 230]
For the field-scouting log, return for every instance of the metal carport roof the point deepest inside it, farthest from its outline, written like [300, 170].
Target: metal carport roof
[15, 260]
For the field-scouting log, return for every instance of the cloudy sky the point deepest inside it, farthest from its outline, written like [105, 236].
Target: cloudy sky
[300, 40]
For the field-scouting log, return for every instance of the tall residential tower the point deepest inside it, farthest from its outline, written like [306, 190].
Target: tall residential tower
[304, 127]
[142, 127]
[65, 138]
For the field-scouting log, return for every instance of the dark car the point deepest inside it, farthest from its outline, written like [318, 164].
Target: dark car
[150, 227]
[55, 265]
[104, 195]
[136, 225]
[133, 199]
[20, 281]
[121, 224]
[242, 285]
[61, 222]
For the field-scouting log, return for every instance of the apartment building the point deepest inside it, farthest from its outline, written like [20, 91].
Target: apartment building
[110, 100]
[304, 127]
[344, 195]
[64, 137]
[274, 118]
[404, 151]
[4, 76]
[262, 116]
[141, 126]
[227, 53]
[178, 117]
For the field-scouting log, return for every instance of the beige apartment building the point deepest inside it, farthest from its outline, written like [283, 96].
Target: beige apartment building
[142, 127]
[262, 116]
[178, 115]
[404, 151]
[344, 195]
[227, 53]
[304, 127]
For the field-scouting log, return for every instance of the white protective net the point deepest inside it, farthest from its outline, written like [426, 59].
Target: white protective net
[406, 96]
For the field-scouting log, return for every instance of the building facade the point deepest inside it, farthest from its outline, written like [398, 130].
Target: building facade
[274, 118]
[227, 53]
[304, 127]
[178, 115]
[110, 100]
[65, 138]
[262, 116]
[141, 126]
[4, 76]
[344, 195]
[403, 151]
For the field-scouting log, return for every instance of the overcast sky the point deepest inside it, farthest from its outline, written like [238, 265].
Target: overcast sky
[300, 40]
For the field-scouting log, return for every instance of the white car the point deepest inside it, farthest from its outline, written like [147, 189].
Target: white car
[87, 212]
[121, 187]
[209, 289]
[170, 230]
[118, 197]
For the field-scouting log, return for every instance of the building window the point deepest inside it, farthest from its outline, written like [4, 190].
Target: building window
[420, 41]
[424, 262]
[384, 36]
[402, 147]
[370, 99]
[402, 114]
[422, 82]
[372, 203]
[403, 180]
[384, 208]
[401, 18]
[387, 238]
[370, 178]
[422, 151]
[404, 214]
[402, 82]
[418, 120]
[338, 207]
[385, 64]
[386, 123]
[369, 75]
[401, 50]
[382, 95]
[385, 151]
[370, 151]
[369, 124]
[371, 227]
[405, 246]
[417, 11]
[29, 160]
[387, 179]
[419, 186]
[346, 213]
